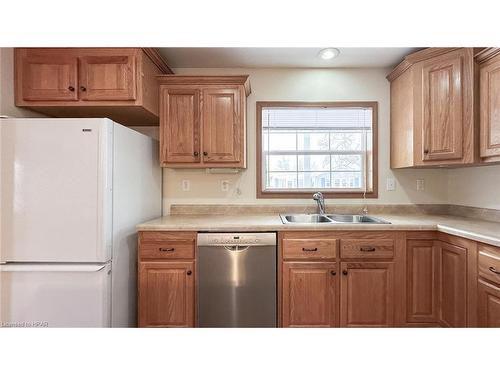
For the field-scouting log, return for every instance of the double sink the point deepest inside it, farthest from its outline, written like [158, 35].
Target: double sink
[330, 219]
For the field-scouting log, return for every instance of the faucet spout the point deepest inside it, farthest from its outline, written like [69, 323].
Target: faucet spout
[320, 200]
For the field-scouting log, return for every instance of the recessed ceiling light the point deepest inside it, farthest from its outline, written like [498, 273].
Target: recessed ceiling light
[328, 53]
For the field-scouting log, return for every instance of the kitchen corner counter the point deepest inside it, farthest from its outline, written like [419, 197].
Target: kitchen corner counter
[474, 229]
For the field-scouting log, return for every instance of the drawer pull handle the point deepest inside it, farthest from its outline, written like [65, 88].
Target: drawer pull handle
[167, 249]
[367, 249]
[492, 269]
[309, 249]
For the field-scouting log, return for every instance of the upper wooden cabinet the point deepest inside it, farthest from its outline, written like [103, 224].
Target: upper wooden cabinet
[119, 83]
[489, 104]
[433, 111]
[203, 121]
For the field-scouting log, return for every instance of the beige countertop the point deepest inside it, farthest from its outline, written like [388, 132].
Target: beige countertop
[474, 229]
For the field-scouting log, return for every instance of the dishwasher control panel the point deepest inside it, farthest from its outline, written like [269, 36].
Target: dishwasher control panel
[244, 239]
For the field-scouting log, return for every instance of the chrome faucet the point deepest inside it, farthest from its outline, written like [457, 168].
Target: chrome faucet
[320, 200]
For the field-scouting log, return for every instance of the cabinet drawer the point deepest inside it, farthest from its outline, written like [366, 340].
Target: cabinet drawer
[309, 248]
[161, 245]
[489, 263]
[367, 248]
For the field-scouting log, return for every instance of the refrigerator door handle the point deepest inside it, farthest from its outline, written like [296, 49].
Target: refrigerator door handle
[28, 267]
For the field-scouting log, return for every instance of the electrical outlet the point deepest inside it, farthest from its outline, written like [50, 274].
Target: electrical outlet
[390, 184]
[224, 185]
[420, 185]
[186, 185]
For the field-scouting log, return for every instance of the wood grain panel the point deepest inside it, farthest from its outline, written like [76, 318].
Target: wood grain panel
[453, 285]
[489, 104]
[222, 125]
[367, 248]
[488, 305]
[309, 294]
[422, 281]
[309, 249]
[167, 294]
[367, 294]
[47, 75]
[442, 108]
[489, 263]
[180, 125]
[110, 77]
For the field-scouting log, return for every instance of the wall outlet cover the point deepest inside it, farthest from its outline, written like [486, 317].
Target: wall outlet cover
[390, 184]
[420, 185]
[186, 185]
[224, 185]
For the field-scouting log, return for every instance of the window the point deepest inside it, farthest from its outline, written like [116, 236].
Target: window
[308, 147]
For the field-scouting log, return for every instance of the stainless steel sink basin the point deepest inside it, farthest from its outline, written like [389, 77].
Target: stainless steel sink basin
[305, 219]
[356, 219]
[330, 219]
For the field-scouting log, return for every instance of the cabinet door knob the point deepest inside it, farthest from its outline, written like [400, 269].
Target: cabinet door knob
[426, 151]
[71, 88]
[205, 153]
[83, 88]
[344, 272]
[196, 153]
[333, 273]
[189, 272]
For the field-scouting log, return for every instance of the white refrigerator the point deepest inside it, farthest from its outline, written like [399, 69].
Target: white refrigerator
[72, 192]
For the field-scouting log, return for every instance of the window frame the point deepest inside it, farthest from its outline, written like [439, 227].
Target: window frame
[297, 193]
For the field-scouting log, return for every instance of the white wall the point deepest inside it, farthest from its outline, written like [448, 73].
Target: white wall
[306, 85]
[475, 186]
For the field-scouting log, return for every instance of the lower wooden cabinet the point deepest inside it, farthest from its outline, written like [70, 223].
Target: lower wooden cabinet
[367, 294]
[452, 285]
[166, 294]
[422, 278]
[309, 294]
[488, 298]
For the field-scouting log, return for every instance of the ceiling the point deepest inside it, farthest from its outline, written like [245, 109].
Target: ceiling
[282, 57]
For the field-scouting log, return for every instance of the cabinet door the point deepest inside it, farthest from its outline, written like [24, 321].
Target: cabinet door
[488, 305]
[367, 294]
[453, 285]
[443, 123]
[222, 126]
[180, 125]
[489, 105]
[107, 77]
[47, 75]
[309, 294]
[166, 294]
[422, 279]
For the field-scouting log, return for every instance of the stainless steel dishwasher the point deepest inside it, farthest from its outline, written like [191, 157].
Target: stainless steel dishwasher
[236, 279]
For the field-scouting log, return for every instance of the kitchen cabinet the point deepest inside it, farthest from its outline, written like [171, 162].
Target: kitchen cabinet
[488, 305]
[367, 294]
[310, 294]
[488, 287]
[167, 274]
[166, 296]
[489, 104]
[422, 281]
[433, 109]
[345, 279]
[119, 83]
[203, 121]
[452, 285]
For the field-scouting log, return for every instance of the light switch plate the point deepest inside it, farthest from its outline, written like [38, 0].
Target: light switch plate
[224, 185]
[390, 184]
